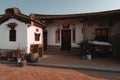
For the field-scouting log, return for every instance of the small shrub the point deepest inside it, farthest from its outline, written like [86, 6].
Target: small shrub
[84, 46]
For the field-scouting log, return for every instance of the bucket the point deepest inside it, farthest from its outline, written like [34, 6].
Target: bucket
[89, 57]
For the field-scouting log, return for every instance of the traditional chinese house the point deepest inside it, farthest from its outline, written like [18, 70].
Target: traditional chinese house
[58, 32]
[20, 31]
[63, 32]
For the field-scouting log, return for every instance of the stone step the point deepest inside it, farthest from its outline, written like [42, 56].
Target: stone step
[53, 48]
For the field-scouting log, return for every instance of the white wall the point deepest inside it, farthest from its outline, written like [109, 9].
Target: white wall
[31, 30]
[21, 34]
[52, 27]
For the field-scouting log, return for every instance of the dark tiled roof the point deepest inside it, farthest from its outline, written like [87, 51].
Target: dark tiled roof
[82, 15]
[16, 14]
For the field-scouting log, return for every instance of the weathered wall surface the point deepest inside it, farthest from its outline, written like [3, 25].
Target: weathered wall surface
[113, 31]
[52, 27]
[31, 36]
[21, 35]
[115, 38]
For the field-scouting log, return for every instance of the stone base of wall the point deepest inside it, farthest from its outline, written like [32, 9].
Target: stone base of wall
[5, 51]
[53, 49]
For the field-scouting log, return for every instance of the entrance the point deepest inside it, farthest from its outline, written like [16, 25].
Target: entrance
[45, 40]
[37, 49]
[66, 40]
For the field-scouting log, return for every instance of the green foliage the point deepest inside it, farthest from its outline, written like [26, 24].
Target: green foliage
[84, 45]
[14, 54]
[0, 52]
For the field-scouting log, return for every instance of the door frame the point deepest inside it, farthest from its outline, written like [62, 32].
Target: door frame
[69, 46]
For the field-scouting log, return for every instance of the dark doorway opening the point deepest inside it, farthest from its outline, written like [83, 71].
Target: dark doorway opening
[45, 40]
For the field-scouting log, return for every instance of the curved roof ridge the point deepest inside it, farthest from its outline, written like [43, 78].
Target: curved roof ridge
[47, 16]
[109, 11]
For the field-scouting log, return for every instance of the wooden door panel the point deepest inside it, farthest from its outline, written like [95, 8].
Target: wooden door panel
[66, 40]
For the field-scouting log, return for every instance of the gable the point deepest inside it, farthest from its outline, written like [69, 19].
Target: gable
[13, 21]
[16, 14]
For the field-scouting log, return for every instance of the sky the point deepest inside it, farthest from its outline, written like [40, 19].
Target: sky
[59, 6]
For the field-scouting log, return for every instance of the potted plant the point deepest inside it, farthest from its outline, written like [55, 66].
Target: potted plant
[21, 57]
[10, 55]
[18, 56]
[84, 46]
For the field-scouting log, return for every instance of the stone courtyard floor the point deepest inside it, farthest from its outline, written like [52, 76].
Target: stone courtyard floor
[76, 60]
[12, 72]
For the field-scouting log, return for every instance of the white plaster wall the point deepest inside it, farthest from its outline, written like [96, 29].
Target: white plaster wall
[21, 34]
[51, 34]
[79, 35]
[31, 30]
[52, 27]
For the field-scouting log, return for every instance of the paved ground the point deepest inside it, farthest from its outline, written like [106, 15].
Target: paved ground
[102, 74]
[76, 60]
[10, 72]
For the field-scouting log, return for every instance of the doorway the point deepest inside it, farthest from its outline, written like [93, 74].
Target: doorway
[45, 40]
[66, 40]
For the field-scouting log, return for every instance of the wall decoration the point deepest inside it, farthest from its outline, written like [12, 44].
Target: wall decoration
[66, 25]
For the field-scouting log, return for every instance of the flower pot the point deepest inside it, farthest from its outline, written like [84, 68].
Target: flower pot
[23, 63]
[18, 60]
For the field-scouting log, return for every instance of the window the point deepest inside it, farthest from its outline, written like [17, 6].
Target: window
[12, 35]
[57, 35]
[102, 34]
[37, 37]
[34, 48]
[74, 34]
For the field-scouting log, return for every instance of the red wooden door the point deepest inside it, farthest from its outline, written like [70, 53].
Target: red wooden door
[66, 40]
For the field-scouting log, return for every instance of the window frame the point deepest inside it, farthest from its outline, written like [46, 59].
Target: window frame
[12, 35]
[57, 35]
[101, 34]
[37, 36]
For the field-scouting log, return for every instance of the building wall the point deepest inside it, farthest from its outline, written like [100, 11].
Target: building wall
[55, 24]
[94, 24]
[21, 34]
[90, 26]
[113, 32]
[31, 30]
[114, 37]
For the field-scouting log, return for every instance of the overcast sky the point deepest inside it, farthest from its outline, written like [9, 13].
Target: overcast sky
[59, 6]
